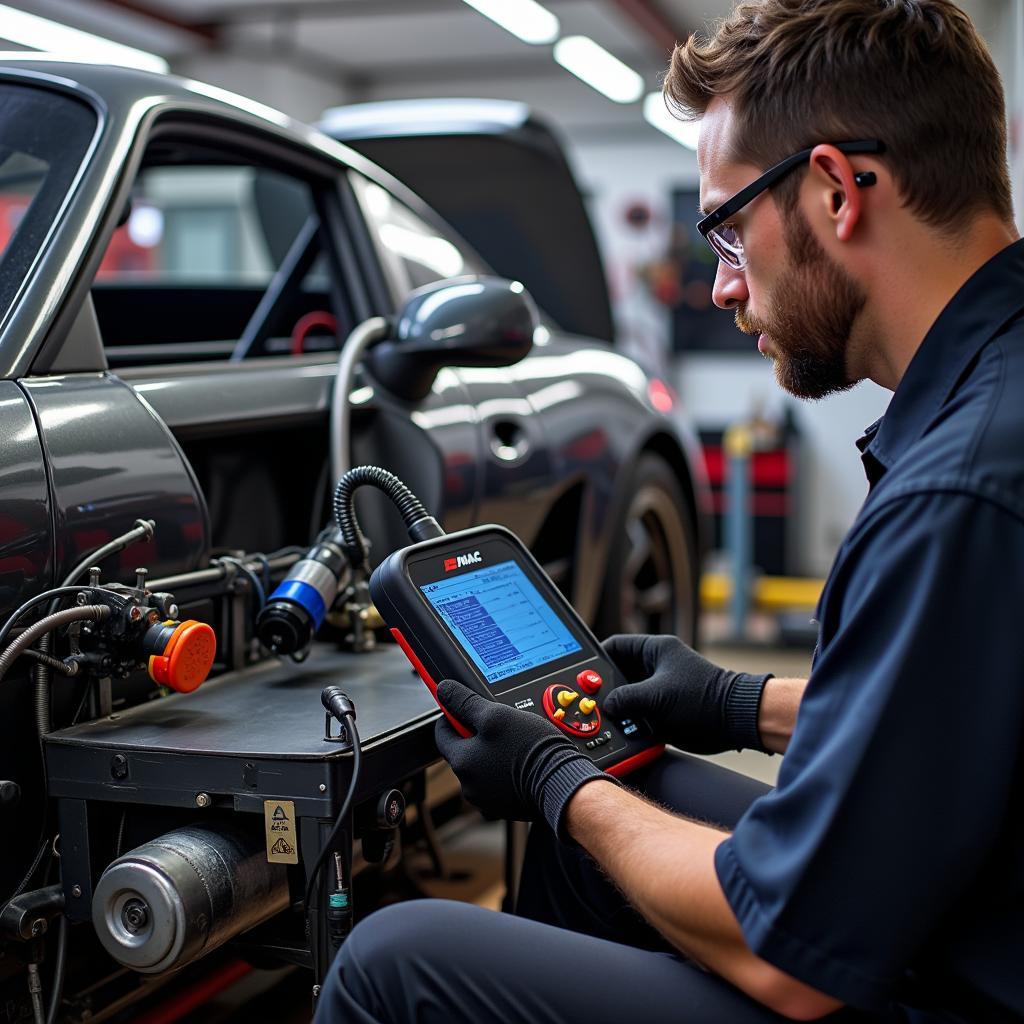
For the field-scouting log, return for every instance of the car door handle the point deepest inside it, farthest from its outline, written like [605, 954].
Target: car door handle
[509, 441]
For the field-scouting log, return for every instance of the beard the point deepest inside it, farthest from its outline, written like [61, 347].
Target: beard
[810, 317]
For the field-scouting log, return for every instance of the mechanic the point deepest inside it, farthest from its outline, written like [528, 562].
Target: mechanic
[883, 879]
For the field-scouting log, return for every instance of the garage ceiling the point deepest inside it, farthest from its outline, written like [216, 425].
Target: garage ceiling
[379, 49]
[363, 42]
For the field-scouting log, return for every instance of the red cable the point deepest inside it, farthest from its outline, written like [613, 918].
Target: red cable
[175, 1008]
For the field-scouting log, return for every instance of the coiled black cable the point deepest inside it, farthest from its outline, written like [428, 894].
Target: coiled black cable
[418, 521]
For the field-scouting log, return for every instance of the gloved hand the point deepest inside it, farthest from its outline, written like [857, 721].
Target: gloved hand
[686, 700]
[517, 764]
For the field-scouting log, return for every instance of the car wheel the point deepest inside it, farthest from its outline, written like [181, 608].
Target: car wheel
[651, 583]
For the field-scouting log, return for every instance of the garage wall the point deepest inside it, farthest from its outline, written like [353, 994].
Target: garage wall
[617, 163]
[719, 389]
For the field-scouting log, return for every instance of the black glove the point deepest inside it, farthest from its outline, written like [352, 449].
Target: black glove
[686, 700]
[517, 765]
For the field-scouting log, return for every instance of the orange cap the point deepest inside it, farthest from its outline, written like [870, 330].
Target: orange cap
[187, 658]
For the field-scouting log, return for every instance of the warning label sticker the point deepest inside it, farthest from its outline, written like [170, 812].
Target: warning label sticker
[279, 824]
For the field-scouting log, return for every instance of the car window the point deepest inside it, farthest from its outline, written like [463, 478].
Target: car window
[44, 137]
[413, 252]
[197, 256]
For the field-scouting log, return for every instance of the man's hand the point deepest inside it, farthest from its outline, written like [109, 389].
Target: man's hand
[516, 764]
[686, 700]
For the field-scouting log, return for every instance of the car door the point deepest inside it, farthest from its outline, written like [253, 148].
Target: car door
[221, 299]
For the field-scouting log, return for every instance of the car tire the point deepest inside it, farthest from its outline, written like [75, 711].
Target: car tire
[651, 580]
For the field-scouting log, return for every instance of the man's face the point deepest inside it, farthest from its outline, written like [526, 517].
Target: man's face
[800, 303]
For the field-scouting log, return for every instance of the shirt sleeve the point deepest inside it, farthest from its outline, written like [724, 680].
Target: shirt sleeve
[899, 775]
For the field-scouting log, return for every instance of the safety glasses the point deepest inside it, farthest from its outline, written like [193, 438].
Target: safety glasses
[723, 237]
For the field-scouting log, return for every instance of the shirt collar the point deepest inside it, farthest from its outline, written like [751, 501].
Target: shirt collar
[986, 302]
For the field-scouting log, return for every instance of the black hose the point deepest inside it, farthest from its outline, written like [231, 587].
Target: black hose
[30, 604]
[119, 842]
[257, 585]
[142, 530]
[418, 521]
[67, 668]
[339, 821]
[33, 867]
[59, 967]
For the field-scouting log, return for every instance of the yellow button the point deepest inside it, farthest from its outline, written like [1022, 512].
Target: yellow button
[587, 705]
[559, 714]
[566, 697]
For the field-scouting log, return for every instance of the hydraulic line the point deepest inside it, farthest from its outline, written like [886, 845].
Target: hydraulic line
[365, 335]
[41, 687]
[38, 654]
[59, 968]
[219, 569]
[35, 990]
[82, 613]
[142, 530]
[420, 524]
[30, 604]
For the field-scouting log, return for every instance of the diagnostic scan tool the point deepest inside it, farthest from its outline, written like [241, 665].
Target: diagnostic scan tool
[476, 606]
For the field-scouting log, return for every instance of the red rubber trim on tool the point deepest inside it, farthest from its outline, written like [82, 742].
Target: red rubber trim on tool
[636, 761]
[425, 676]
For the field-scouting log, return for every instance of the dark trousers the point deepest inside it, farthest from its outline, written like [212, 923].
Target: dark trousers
[575, 951]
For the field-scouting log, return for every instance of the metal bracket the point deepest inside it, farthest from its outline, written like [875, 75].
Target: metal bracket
[329, 737]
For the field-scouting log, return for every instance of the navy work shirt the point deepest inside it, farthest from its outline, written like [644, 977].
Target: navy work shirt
[887, 868]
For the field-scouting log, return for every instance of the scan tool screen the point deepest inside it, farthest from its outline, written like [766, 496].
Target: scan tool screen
[501, 620]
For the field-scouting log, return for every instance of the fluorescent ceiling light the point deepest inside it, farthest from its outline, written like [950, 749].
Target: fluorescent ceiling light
[523, 18]
[658, 115]
[594, 65]
[42, 34]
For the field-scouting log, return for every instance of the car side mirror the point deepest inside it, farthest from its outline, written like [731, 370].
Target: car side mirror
[470, 321]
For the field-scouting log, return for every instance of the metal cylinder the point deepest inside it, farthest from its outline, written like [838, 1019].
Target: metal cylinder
[180, 896]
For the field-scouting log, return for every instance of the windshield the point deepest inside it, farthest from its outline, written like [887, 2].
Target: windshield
[43, 138]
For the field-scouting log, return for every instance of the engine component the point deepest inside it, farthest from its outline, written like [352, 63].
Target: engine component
[180, 654]
[296, 609]
[142, 628]
[178, 897]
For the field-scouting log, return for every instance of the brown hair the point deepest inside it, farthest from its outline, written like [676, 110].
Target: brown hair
[913, 73]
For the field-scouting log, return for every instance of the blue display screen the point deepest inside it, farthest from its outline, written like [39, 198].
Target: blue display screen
[501, 620]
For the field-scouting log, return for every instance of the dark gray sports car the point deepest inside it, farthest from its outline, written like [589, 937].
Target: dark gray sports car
[178, 270]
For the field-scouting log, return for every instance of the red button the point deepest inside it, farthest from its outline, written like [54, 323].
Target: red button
[589, 681]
